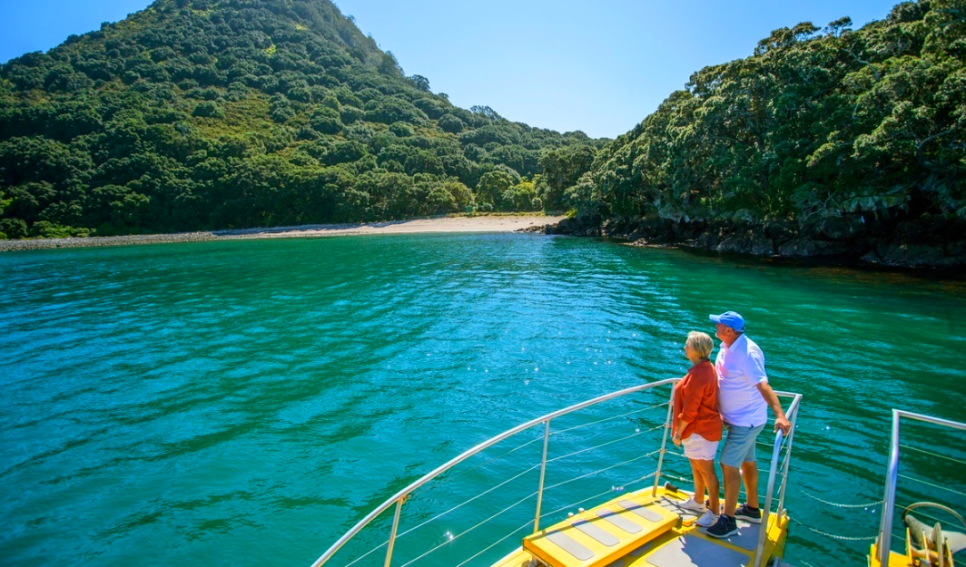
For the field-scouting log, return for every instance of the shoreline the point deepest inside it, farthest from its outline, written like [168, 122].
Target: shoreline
[477, 224]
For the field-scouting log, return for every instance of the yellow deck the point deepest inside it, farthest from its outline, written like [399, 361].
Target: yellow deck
[667, 537]
[585, 532]
[895, 559]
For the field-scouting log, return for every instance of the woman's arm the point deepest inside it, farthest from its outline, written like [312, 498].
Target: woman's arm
[676, 437]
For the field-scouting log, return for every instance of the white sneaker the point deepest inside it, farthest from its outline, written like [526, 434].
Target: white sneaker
[707, 519]
[691, 505]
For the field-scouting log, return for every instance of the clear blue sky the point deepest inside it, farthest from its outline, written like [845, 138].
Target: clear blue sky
[599, 66]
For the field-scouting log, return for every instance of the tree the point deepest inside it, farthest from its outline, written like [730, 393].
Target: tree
[492, 186]
[420, 82]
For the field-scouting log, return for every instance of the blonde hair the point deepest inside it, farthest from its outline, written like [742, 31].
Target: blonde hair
[700, 343]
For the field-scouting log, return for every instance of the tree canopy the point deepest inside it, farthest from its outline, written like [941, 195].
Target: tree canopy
[196, 114]
[816, 123]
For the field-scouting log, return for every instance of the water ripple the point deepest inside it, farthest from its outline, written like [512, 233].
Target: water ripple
[246, 402]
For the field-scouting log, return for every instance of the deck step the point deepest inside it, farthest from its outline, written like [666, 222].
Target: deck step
[599, 537]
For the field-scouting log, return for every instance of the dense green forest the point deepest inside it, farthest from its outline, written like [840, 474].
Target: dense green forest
[198, 114]
[203, 114]
[863, 127]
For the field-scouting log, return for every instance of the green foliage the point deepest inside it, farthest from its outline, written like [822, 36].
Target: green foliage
[815, 123]
[492, 187]
[13, 228]
[562, 168]
[451, 124]
[200, 115]
[208, 109]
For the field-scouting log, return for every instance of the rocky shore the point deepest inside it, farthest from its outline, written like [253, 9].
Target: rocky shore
[923, 242]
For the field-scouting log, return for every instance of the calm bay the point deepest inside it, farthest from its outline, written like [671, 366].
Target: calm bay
[246, 402]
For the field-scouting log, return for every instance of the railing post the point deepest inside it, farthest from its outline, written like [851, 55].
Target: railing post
[660, 459]
[395, 528]
[892, 476]
[543, 473]
[788, 458]
[760, 557]
[765, 510]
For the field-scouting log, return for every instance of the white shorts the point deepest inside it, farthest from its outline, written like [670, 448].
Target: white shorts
[699, 448]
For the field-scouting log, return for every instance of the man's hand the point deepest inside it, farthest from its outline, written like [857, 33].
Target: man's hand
[781, 422]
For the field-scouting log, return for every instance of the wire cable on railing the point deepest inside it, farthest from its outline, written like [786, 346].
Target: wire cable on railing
[837, 505]
[933, 485]
[635, 434]
[552, 433]
[832, 536]
[494, 544]
[685, 481]
[480, 495]
[434, 518]
[934, 454]
[454, 538]
[807, 564]
[583, 476]
[578, 503]
[488, 461]
[675, 477]
[367, 554]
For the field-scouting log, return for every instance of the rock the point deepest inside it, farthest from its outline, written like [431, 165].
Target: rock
[780, 231]
[747, 242]
[955, 249]
[762, 246]
[909, 255]
[744, 216]
[708, 240]
[578, 226]
[805, 247]
[671, 213]
[843, 227]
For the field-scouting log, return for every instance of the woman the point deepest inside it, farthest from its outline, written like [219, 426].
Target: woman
[697, 424]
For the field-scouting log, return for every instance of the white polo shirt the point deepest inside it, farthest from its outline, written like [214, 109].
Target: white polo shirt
[741, 367]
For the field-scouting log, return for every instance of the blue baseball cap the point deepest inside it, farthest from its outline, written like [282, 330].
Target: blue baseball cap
[731, 319]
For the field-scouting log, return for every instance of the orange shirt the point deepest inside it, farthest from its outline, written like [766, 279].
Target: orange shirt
[696, 402]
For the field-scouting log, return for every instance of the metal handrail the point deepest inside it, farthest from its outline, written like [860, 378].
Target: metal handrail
[892, 476]
[792, 415]
[401, 496]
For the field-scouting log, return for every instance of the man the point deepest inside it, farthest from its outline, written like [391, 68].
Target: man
[743, 397]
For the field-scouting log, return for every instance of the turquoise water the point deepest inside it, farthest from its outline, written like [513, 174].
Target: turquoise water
[246, 402]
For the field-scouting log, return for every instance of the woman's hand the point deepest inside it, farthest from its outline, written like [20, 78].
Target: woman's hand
[676, 439]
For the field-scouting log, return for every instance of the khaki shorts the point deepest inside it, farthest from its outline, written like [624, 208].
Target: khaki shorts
[739, 444]
[699, 448]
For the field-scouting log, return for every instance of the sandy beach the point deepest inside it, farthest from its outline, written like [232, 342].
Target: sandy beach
[494, 223]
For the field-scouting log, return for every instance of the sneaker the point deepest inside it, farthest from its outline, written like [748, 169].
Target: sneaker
[748, 514]
[691, 505]
[707, 519]
[726, 526]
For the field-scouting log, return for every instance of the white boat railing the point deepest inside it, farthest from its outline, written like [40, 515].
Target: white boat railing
[400, 497]
[884, 538]
[792, 415]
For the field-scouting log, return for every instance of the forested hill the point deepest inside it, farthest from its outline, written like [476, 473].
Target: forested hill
[197, 114]
[824, 141]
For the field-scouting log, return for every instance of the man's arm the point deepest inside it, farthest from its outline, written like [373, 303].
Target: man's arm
[781, 422]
